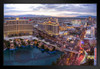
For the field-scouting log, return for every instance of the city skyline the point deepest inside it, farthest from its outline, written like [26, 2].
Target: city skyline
[57, 10]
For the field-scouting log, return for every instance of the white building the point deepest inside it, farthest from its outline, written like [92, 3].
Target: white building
[90, 32]
[76, 23]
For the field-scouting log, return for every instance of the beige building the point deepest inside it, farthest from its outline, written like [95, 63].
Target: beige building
[17, 27]
[52, 28]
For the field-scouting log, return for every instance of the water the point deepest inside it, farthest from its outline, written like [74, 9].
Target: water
[30, 56]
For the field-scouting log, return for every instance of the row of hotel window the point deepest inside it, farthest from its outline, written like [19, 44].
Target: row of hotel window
[6, 28]
[20, 22]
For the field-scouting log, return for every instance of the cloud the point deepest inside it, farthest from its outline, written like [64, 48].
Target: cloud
[51, 9]
[77, 8]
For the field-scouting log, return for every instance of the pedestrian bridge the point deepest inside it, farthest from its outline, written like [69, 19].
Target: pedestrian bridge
[60, 49]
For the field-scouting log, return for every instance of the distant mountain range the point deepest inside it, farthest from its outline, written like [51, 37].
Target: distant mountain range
[28, 15]
[86, 16]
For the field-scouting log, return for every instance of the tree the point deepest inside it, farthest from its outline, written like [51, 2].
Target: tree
[23, 43]
[7, 44]
[47, 49]
[37, 44]
[89, 62]
[37, 36]
[34, 40]
[91, 52]
[42, 37]
[28, 42]
[53, 49]
[42, 46]
[15, 44]
[57, 60]
[53, 63]
[4, 40]
[15, 34]
[19, 34]
[10, 39]
[21, 39]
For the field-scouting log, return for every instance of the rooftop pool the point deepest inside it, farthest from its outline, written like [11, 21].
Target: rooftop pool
[30, 56]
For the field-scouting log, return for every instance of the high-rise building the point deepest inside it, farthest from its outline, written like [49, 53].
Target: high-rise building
[50, 27]
[90, 21]
[17, 27]
[76, 23]
[90, 18]
[90, 32]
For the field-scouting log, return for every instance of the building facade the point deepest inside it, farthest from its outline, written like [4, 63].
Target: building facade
[17, 27]
[76, 23]
[50, 27]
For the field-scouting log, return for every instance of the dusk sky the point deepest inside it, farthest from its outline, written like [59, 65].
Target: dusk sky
[59, 10]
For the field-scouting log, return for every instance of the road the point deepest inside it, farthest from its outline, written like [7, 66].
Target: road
[74, 59]
[67, 60]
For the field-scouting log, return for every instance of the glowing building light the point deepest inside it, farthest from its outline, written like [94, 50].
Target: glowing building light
[88, 32]
[17, 18]
[49, 22]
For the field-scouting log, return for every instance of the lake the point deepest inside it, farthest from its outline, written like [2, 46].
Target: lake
[30, 56]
